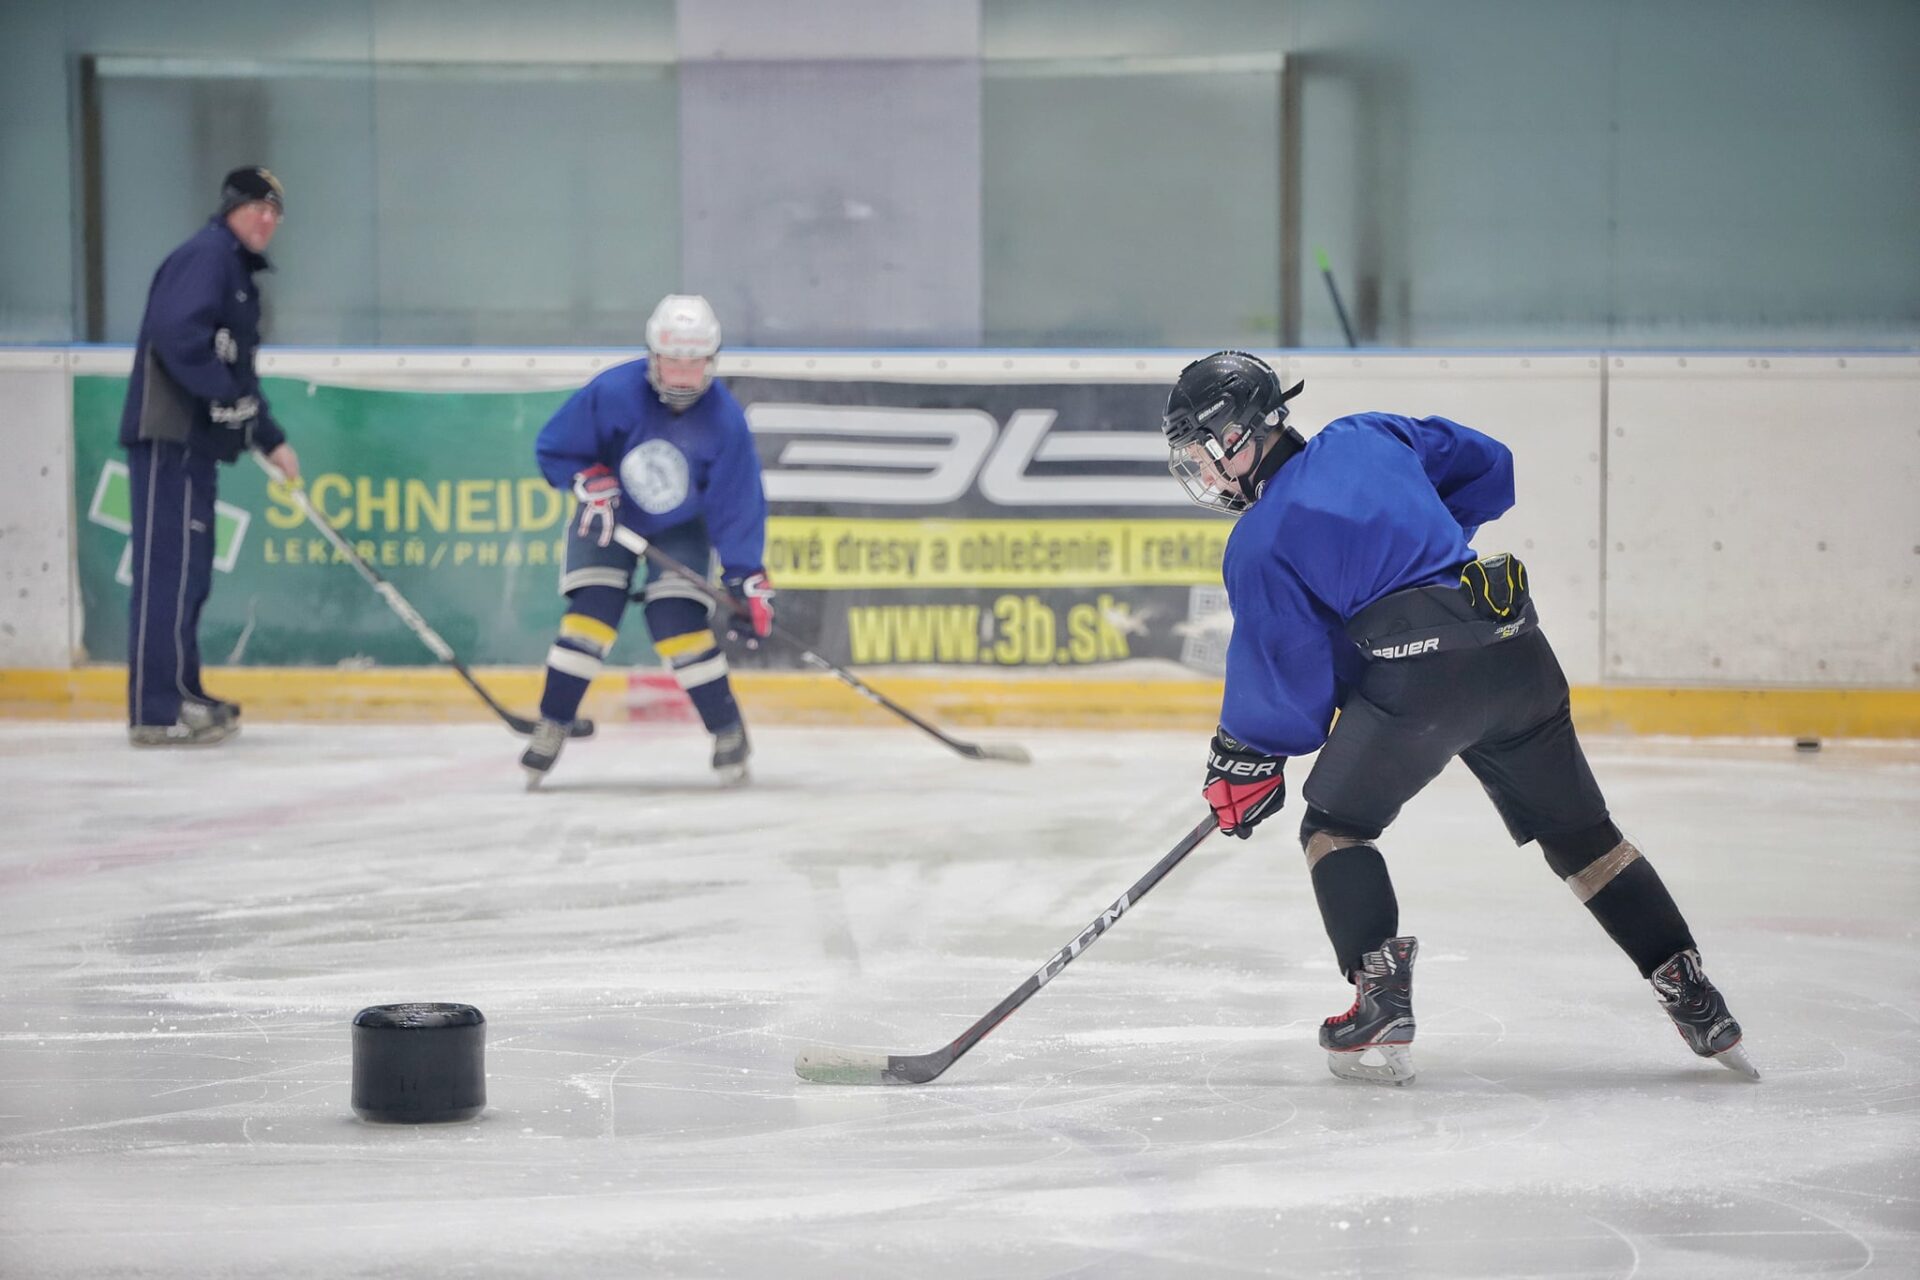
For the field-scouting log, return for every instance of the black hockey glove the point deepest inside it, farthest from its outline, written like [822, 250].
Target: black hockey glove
[1243, 786]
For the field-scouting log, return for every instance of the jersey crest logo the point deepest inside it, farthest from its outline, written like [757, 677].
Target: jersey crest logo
[655, 473]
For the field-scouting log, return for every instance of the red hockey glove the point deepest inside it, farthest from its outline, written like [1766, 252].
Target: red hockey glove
[754, 594]
[1243, 786]
[599, 492]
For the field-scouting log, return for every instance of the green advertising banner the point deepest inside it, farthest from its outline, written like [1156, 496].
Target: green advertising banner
[437, 490]
[912, 524]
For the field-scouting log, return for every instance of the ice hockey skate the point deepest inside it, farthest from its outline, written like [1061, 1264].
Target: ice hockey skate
[1700, 1013]
[222, 711]
[197, 726]
[549, 736]
[1373, 1040]
[730, 752]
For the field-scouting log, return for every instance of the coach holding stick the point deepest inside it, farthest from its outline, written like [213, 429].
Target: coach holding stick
[194, 401]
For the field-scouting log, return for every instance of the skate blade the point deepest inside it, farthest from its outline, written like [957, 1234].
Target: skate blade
[1395, 1064]
[733, 775]
[1735, 1059]
[534, 778]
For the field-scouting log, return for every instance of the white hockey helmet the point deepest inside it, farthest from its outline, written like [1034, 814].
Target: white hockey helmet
[681, 330]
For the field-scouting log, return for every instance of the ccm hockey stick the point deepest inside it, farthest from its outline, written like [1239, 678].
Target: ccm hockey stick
[852, 1066]
[581, 728]
[1009, 753]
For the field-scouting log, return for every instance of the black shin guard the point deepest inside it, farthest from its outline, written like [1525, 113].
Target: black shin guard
[1356, 902]
[1631, 902]
[1641, 916]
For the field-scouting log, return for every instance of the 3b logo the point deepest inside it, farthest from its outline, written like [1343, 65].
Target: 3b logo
[932, 457]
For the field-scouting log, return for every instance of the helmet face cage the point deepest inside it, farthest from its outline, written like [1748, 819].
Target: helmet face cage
[1197, 458]
[682, 328]
[1221, 407]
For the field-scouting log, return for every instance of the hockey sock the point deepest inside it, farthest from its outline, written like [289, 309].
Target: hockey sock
[1641, 916]
[1356, 902]
[586, 633]
[688, 646]
[1624, 893]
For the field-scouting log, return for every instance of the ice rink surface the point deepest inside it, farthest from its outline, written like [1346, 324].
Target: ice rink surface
[185, 936]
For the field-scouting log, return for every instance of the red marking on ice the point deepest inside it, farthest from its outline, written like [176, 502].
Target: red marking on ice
[192, 837]
[656, 695]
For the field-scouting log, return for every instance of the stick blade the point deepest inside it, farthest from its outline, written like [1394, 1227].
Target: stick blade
[822, 1064]
[524, 726]
[1005, 752]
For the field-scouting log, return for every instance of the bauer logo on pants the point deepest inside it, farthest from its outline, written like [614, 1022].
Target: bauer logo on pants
[1411, 649]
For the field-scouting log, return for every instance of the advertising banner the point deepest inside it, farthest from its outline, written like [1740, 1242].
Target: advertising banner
[963, 524]
[967, 524]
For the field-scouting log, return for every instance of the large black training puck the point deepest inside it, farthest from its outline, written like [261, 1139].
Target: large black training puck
[419, 1063]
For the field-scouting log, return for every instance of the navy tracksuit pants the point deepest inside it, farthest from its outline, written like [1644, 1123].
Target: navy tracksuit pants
[173, 528]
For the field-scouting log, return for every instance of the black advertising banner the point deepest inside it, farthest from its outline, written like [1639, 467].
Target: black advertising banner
[971, 524]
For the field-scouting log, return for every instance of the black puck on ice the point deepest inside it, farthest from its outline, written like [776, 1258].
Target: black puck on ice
[1806, 744]
[419, 1063]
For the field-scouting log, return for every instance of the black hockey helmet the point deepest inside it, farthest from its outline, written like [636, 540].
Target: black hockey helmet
[1222, 406]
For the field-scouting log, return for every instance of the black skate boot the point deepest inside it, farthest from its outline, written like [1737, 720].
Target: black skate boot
[1700, 1013]
[1381, 1020]
[542, 750]
[730, 752]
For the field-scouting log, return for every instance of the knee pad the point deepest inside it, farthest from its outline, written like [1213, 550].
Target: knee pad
[1321, 834]
[671, 586]
[587, 631]
[603, 604]
[1589, 859]
[670, 616]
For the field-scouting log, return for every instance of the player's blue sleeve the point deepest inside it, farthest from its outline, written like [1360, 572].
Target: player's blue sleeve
[1472, 472]
[736, 503]
[571, 440]
[186, 307]
[1282, 660]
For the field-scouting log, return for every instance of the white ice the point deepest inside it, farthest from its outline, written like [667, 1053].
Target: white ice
[184, 938]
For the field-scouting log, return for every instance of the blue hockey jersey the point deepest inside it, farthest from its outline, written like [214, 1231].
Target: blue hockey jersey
[1374, 503]
[673, 467]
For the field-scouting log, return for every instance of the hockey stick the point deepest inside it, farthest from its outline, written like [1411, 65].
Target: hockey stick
[1326, 273]
[1008, 752]
[581, 728]
[851, 1066]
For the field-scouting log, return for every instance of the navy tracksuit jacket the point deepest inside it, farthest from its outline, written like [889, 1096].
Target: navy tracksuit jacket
[196, 349]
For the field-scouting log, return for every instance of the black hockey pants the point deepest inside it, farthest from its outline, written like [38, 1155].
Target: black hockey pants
[1502, 709]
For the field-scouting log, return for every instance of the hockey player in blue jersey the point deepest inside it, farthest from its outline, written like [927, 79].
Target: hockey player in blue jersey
[658, 446]
[1353, 588]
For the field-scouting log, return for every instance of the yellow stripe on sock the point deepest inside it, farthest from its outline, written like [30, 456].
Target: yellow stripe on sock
[671, 647]
[578, 626]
